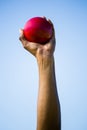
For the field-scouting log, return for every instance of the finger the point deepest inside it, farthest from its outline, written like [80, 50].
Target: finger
[21, 32]
[52, 26]
[50, 21]
[52, 41]
[31, 47]
[44, 17]
[21, 37]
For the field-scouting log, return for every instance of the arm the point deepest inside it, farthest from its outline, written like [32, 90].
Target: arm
[48, 107]
[48, 110]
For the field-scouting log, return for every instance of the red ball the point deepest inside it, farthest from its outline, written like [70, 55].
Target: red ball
[38, 30]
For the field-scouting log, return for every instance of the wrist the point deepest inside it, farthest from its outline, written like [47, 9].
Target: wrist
[45, 62]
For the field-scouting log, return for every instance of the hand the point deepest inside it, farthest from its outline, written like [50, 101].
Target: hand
[37, 49]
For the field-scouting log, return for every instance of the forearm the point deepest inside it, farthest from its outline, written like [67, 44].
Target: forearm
[48, 102]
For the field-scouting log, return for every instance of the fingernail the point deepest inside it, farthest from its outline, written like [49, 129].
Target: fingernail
[19, 30]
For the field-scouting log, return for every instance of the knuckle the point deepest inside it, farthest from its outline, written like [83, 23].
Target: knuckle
[20, 38]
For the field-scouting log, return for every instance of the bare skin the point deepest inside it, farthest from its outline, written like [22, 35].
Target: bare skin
[48, 107]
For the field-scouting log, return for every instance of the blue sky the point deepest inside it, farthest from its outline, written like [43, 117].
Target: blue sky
[18, 68]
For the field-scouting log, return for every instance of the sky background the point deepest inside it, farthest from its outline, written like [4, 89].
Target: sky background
[18, 68]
